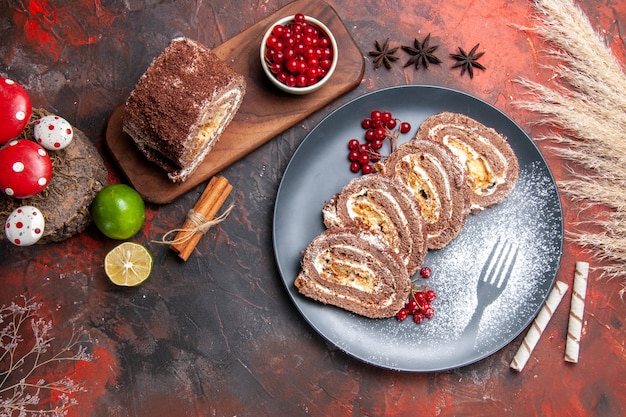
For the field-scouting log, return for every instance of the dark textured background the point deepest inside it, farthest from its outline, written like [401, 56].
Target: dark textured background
[218, 335]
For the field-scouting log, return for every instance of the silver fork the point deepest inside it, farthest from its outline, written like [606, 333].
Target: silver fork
[492, 281]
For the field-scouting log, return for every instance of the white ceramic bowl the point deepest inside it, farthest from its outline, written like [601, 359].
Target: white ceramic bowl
[272, 76]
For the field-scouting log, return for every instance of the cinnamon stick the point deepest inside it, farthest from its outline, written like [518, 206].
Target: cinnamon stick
[207, 206]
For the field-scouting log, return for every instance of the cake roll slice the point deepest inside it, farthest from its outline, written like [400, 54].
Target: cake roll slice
[355, 270]
[491, 165]
[181, 105]
[385, 207]
[437, 182]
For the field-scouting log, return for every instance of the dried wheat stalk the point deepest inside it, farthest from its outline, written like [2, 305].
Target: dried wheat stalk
[588, 103]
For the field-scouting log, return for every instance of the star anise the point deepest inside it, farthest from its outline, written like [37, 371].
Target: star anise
[423, 53]
[468, 62]
[383, 55]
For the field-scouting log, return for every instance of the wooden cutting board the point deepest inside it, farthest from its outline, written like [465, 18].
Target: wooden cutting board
[264, 113]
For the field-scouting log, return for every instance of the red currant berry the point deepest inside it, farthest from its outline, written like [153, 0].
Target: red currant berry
[364, 158]
[418, 318]
[375, 157]
[311, 72]
[289, 54]
[278, 30]
[299, 17]
[425, 307]
[385, 117]
[292, 65]
[291, 81]
[271, 41]
[276, 67]
[405, 127]
[353, 155]
[402, 314]
[302, 67]
[366, 123]
[366, 169]
[282, 77]
[279, 45]
[420, 297]
[279, 57]
[301, 80]
[429, 313]
[379, 133]
[353, 144]
[376, 115]
[391, 124]
[369, 135]
[377, 144]
[326, 63]
[426, 272]
[299, 47]
[355, 166]
[364, 147]
[412, 306]
[431, 295]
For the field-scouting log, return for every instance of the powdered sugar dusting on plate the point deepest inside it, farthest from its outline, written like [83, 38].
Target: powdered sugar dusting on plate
[530, 217]
[526, 219]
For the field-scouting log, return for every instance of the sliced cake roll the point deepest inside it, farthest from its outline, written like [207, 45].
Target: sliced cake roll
[491, 166]
[355, 270]
[437, 181]
[385, 207]
[181, 105]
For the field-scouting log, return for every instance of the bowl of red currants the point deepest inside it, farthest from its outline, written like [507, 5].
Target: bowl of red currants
[298, 54]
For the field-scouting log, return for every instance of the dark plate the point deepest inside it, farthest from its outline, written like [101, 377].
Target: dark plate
[531, 217]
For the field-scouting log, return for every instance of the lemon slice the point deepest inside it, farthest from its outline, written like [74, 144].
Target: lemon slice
[128, 264]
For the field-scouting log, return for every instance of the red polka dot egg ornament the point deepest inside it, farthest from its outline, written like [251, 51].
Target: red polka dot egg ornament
[24, 226]
[15, 109]
[53, 132]
[25, 169]
[298, 54]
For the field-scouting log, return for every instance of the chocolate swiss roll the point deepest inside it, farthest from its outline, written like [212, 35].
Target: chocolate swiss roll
[491, 166]
[385, 207]
[355, 270]
[437, 181]
[181, 105]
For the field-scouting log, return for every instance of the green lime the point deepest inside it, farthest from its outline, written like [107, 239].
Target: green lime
[128, 264]
[118, 211]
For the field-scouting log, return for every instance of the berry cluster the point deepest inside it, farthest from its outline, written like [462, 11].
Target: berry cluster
[420, 301]
[298, 53]
[380, 126]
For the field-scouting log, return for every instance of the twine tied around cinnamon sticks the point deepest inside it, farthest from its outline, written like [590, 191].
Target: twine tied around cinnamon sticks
[201, 218]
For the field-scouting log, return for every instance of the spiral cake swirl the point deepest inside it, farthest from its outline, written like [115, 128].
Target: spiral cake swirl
[437, 181]
[491, 167]
[384, 207]
[355, 270]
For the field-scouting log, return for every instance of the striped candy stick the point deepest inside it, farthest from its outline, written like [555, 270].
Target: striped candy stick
[538, 326]
[577, 309]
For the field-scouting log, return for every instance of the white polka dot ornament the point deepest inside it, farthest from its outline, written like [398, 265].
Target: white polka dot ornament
[24, 226]
[53, 132]
[25, 169]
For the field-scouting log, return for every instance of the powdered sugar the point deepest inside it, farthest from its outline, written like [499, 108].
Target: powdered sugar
[530, 218]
